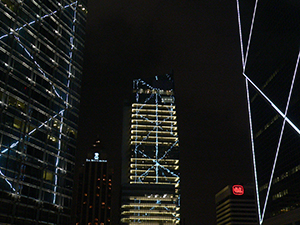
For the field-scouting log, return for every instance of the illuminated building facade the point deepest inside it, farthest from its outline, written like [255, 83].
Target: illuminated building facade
[95, 189]
[41, 44]
[235, 204]
[151, 178]
[270, 40]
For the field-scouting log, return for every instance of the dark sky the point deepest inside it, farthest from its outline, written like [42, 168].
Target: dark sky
[199, 41]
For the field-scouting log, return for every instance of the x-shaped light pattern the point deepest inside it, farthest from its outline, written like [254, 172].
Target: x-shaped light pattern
[66, 100]
[244, 57]
[157, 125]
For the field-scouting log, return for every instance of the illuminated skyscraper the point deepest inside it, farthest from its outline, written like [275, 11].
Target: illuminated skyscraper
[151, 178]
[270, 41]
[41, 44]
[95, 188]
[235, 204]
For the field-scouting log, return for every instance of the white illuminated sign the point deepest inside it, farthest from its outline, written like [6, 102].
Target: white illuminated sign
[96, 158]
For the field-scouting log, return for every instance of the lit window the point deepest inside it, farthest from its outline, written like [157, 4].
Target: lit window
[48, 175]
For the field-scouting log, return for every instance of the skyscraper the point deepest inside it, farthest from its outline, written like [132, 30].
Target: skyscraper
[41, 44]
[151, 178]
[95, 188]
[235, 204]
[270, 41]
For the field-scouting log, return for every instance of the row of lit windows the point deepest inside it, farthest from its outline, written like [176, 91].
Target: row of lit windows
[175, 161]
[152, 115]
[145, 121]
[281, 177]
[154, 91]
[280, 194]
[267, 126]
[153, 143]
[151, 127]
[154, 138]
[166, 133]
[152, 106]
[153, 111]
[141, 168]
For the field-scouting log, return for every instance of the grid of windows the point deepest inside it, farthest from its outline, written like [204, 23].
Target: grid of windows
[41, 56]
[153, 154]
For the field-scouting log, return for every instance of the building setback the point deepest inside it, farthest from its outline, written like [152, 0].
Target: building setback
[41, 56]
[95, 189]
[151, 178]
[235, 204]
[270, 37]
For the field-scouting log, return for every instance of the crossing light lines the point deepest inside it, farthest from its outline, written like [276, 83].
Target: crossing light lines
[65, 100]
[157, 122]
[244, 57]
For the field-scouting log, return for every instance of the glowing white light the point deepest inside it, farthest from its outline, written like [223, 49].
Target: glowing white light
[274, 106]
[281, 134]
[32, 22]
[283, 115]
[253, 151]
[66, 102]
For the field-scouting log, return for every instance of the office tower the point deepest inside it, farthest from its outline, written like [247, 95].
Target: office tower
[270, 40]
[95, 188]
[151, 178]
[41, 44]
[235, 204]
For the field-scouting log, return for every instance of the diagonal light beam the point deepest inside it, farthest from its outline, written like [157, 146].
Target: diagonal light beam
[273, 105]
[281, 134]
[245, 56]
[34, 21]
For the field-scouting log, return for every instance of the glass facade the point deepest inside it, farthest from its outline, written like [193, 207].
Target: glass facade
[41, 56]
[270, 40]
[151, 193]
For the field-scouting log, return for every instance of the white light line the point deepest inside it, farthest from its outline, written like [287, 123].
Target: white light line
[31, 132]
[250, 34]
[7, 181]
[244, 57]
[34, 21]
[281, 134]
[244, 61]
[17, 142]
[240, 33]
[274, 106]
[66, 103]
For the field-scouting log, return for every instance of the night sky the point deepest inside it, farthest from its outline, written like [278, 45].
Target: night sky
[199, 41]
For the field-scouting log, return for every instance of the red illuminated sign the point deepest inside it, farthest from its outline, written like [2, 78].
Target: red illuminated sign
[238, 190]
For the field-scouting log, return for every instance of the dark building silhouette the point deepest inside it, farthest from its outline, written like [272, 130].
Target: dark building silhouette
[41, 57]
[95, 188]
[150, 168]
[270, 38]
[235, 204]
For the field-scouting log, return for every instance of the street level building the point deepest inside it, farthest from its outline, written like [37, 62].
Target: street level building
[151, 178]
[41, 57]
[235, 204]
[270, 40]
